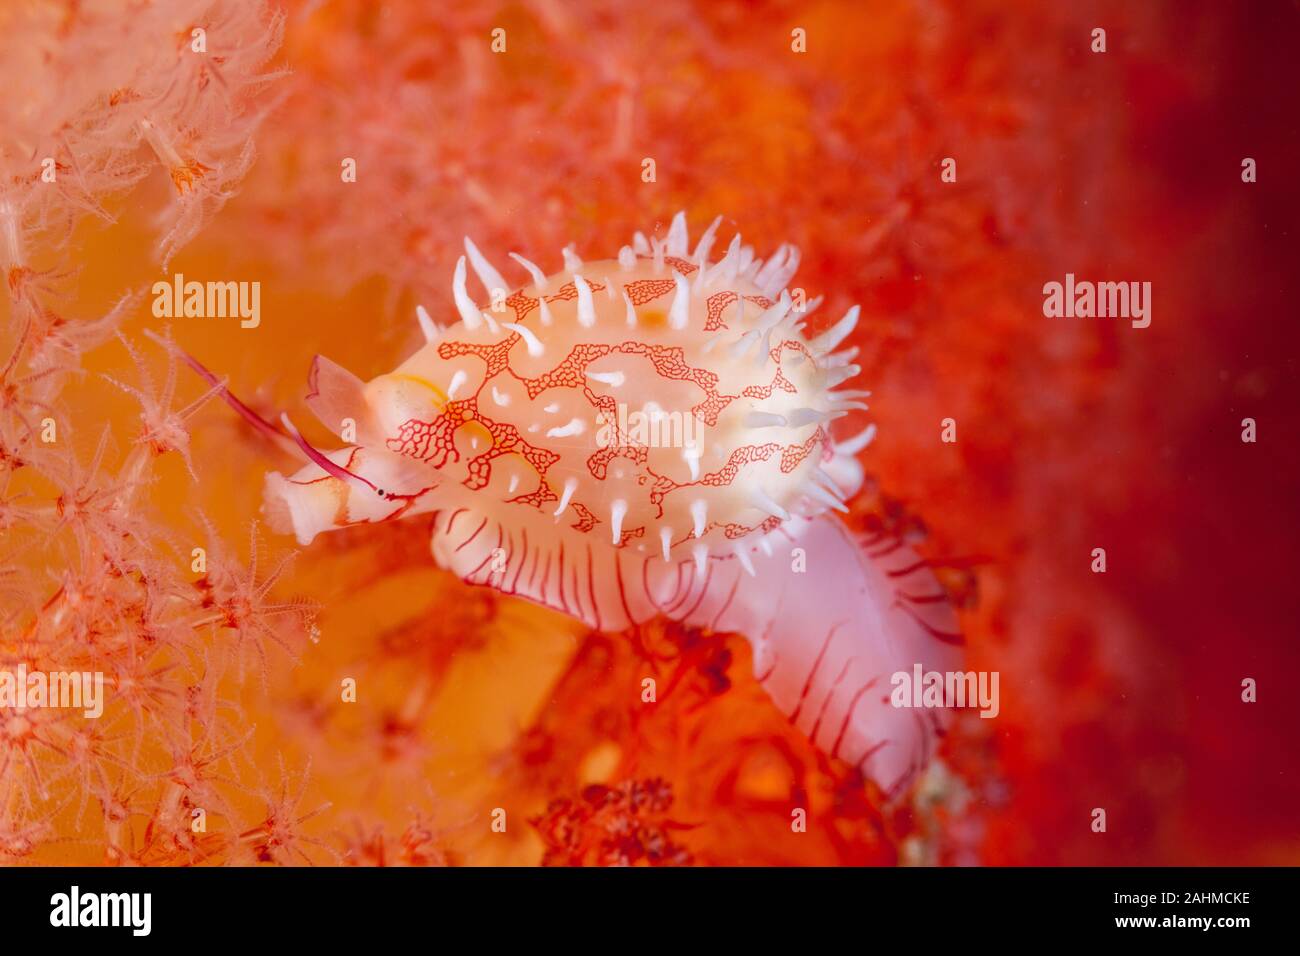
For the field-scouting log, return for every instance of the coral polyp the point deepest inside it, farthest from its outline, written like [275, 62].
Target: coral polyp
[640, 436]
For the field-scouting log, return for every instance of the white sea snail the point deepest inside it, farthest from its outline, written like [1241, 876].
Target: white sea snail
[649, 435]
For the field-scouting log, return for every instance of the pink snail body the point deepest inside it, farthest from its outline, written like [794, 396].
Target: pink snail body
[641, 436]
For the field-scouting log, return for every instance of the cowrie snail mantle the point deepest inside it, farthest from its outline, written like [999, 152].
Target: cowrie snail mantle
[513, 428]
